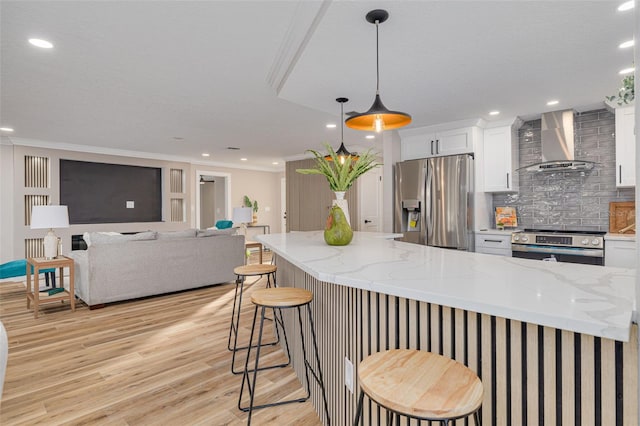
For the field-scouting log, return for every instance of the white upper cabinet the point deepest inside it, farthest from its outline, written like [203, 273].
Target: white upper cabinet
[425, 142]
[451, 142]
[625, 147]
[500, 159]
[414, 146]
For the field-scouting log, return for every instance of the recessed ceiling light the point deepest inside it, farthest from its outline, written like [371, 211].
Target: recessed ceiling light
[6, 129]
[331, 126]
[243, 159]
[370, 137]
[554, 102]
[626, 6]
[275, 163]
[494, 112]
[41, 43]
[626, 44]
[205, 154]
[627, 71]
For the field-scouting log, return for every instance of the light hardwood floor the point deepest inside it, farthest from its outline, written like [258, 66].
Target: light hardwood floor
[160, 360]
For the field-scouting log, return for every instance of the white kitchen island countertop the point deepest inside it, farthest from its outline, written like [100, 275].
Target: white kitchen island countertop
[589, 299]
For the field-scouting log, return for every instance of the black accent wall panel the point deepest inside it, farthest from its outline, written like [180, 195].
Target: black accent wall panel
[98, 192]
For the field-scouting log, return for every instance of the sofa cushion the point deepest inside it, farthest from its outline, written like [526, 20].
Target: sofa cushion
[214, 232]
[187, 233]
[99, 238]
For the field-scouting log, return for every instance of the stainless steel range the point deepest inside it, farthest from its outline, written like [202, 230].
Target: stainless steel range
[559, 246]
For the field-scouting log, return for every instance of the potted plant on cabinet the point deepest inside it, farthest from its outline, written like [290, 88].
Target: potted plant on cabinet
[626, 94]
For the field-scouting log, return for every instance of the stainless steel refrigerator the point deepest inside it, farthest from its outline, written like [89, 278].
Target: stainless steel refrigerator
[434, 201]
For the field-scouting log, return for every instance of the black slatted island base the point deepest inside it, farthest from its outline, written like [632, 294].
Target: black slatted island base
[533, 372]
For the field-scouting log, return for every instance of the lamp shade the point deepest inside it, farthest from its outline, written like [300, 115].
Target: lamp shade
[242, 215]
[378, 118]
[49, 217]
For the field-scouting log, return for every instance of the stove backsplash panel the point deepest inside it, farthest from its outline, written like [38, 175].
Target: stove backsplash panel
[569, 200]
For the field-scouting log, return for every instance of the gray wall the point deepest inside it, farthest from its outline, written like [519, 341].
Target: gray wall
[569, 200]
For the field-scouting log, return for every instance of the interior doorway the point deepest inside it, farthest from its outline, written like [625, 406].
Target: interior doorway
[213, 198]
[283, 205]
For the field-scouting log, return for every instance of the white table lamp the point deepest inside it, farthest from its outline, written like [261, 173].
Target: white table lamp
[43, 217]
[242, 216]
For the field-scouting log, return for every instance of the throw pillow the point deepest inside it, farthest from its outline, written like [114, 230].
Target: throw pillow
[214, 232]
[224, 224]
[100, 238]
[187, 233]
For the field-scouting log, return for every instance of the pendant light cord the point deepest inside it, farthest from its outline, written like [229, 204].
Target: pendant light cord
[377, 63]
[342, 121]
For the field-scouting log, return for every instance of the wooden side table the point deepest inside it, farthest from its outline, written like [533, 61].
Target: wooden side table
[33, 293]
[254, 244]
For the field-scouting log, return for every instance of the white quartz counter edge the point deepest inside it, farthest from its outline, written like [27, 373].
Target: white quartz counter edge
[620, 237]
[587, 299]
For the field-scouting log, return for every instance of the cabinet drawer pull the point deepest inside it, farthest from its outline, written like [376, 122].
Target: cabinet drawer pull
[620, 173]
[507, 180]
[437, 146]
[496, 241]
[431, 147]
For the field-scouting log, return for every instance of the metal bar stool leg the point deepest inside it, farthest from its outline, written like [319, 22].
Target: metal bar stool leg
[319, 378]
[233, 314]
[359, 415]
[251, 386]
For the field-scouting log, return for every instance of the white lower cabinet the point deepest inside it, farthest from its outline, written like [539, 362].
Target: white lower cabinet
[493, 242]
[620, 252]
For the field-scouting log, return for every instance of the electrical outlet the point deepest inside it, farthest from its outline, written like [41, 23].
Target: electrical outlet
[348, 374]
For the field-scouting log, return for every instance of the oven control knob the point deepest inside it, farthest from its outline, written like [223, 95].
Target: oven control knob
[585, 241]
[524, 238]
[595, 242]
[516, 238]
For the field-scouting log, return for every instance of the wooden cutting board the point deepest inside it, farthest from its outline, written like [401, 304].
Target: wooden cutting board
[622, 217]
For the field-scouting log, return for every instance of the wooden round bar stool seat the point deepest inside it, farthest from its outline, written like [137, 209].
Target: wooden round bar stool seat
[281, 297]
[254, 270]
[242, 272]
[420, 384]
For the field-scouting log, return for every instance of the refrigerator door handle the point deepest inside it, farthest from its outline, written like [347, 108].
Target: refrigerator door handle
[428, 214]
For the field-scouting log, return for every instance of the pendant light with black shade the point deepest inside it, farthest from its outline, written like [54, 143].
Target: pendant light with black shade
[378, 117]
[342, 152]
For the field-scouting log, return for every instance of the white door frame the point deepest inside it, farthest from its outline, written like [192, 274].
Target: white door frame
[283, 205]
[227, 191]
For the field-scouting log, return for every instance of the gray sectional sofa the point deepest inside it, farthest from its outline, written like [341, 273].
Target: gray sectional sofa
[123, 267]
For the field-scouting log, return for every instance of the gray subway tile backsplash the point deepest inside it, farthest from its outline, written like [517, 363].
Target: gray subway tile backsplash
[569, 200]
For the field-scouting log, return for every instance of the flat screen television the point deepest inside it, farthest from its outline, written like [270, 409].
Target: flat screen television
[110, 193]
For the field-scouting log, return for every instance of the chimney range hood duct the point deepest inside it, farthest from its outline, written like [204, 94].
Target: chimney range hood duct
[558, 151]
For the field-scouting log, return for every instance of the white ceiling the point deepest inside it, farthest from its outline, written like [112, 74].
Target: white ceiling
[263, 75]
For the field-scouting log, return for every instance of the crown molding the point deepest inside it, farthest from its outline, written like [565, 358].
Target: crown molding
[302, 26]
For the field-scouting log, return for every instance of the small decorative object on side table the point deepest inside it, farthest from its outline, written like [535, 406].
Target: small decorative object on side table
[33, 295]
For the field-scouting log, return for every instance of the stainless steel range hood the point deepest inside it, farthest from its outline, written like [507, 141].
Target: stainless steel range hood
[558, 152]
